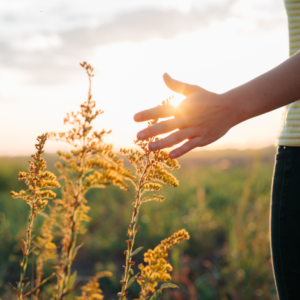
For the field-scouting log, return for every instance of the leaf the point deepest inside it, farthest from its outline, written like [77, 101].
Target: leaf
[15, 289]
[69, 290]
[43, 215]
[26, 285]
[163, 286]
[132, 280]
[169, 286]
[31, 250]
[157, 198]
[157, 295]
[72, 280]
[76, 250]
[136, 251]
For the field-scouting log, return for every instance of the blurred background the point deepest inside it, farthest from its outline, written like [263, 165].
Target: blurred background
[217, 44]
[224, 192]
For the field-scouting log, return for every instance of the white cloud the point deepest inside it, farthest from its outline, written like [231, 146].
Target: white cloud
[37, 42]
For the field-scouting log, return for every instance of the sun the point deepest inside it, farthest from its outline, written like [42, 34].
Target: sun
[177, 99]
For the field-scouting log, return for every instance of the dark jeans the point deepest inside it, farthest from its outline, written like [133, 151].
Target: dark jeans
[285, 223]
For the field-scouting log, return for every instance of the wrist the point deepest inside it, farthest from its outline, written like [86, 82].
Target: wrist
[233, 108]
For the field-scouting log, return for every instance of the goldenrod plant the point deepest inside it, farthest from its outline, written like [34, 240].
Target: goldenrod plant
[150, 173]
[39, 183]
[157, 268]
[90, 164]
[92, 290]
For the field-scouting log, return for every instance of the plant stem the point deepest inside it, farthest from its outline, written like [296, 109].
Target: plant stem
[26, 251]
[132, 230]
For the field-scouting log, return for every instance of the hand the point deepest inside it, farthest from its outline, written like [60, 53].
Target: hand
[202, 118]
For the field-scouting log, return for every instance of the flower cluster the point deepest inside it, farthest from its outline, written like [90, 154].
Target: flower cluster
[150, 168]
[150, 173]
[157, 267]
[91, 290]
[39, 183]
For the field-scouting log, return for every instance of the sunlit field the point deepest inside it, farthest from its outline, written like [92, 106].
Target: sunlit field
[222, 201]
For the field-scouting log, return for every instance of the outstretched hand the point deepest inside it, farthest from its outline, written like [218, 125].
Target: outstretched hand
[202, 118]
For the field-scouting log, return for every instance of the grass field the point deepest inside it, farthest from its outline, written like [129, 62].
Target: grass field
[223, 202]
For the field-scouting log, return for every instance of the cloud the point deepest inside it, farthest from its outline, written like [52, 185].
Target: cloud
[144, 25]
[37, 42]
[43, 54]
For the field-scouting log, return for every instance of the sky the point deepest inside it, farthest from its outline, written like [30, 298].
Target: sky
[216, 44]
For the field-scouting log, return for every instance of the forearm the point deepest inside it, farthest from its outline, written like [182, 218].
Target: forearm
[276, 88]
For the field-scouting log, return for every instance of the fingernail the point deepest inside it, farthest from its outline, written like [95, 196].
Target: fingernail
[172, 154]
[141, 135]
[137, 117]
[153, 146]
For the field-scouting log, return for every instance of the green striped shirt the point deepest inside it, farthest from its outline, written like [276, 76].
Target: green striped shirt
[290, 130]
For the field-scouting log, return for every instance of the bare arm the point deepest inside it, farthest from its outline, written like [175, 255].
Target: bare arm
[203, 117]
[274, 89]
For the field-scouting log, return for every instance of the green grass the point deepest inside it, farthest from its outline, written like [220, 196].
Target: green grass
[222, 200]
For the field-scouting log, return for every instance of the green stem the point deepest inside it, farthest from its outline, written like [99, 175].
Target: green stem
[27, 246]
[132, 230]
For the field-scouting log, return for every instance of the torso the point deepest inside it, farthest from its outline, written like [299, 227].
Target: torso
[290, 131]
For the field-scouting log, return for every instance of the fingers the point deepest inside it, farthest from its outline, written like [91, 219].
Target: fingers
[164, 111]
[173, 139]
[188, 146]
[203, 137]
[160, 128]
[161, 111]
[180, 87]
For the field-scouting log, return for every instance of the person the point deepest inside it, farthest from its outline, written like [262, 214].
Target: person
[204, 117]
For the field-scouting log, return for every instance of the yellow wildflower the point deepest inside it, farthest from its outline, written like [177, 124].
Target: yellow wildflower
[150, 173]
[157, 267]
[91, 290]
[90, 164]
[38, 182]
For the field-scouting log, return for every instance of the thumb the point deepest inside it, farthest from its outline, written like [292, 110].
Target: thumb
[180, 87]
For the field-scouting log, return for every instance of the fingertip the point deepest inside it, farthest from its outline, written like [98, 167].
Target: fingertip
[151, 147]
[174, 154]
[141, 135]
[137, 117]
[166, 76]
